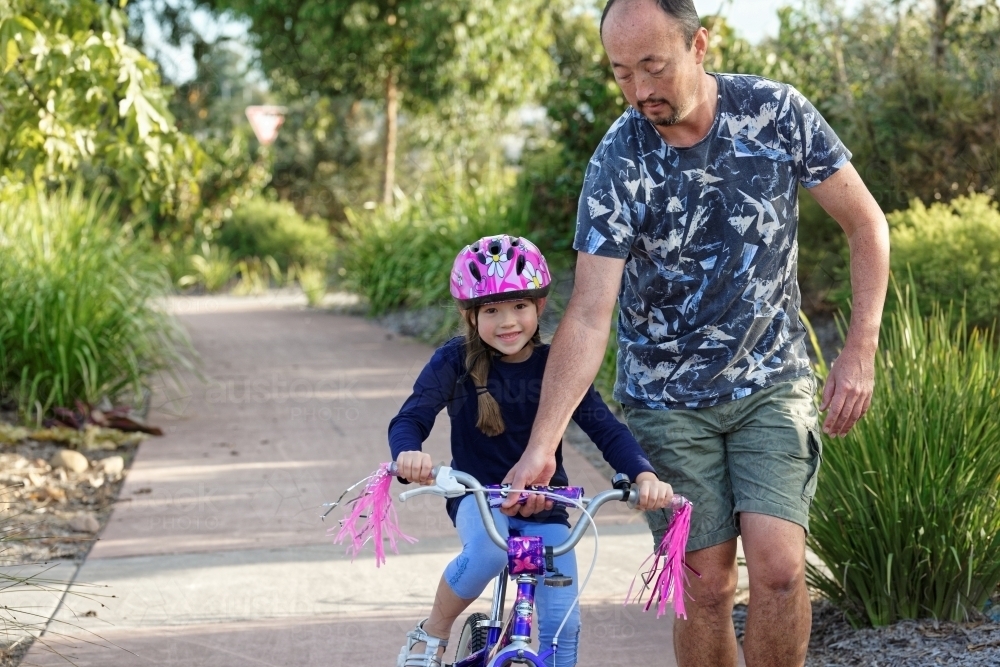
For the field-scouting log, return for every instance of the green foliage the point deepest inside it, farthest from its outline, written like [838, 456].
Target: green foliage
[79, 317]
[952, 252]
[402, 256]
[313, 284]
[262, 228]
[211, 108]
[323, 159]
[430, 49]
[580, 111]
[915, 99]
[907, 512]
[79, 101]
[212, 269]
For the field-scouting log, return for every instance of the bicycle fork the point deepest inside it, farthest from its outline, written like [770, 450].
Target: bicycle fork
[517, 647]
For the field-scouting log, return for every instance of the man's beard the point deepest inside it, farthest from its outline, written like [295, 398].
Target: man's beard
[663, 121]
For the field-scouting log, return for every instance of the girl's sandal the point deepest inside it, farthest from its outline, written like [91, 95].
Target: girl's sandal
[429, 656]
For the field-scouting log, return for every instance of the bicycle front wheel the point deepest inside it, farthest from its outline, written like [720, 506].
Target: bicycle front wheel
[473, 637]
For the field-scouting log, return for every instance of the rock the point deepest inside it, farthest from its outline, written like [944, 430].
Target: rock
[70, 460]
[85, 523]
[111, 466]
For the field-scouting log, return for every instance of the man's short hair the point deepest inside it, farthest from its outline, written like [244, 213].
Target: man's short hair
[682, 11]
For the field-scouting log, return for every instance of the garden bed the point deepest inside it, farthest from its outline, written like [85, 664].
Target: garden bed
[907, 643]
[55, 512]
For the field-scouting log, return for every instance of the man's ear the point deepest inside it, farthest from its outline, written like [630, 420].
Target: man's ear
[540, 305]
[700, 45]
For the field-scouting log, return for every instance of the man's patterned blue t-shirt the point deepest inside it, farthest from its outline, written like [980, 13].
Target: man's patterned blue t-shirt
[709, 302]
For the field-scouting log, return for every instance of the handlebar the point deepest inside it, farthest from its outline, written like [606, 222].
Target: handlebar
[455, 483]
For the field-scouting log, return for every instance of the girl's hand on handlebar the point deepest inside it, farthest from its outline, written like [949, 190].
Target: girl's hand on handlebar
[416, 467]
[653, 494]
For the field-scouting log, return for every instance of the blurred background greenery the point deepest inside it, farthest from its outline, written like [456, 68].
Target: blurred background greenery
[414, 127]
[394, 102]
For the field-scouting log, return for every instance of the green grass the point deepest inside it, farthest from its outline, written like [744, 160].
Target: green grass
[907, 513]
[78, 316]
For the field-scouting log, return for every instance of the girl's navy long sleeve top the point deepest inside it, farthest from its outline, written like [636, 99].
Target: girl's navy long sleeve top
[444, 384]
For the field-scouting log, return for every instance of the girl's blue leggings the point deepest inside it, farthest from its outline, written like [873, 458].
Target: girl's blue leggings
[481, 561]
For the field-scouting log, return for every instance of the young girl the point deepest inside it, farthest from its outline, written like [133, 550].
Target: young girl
[490, 380]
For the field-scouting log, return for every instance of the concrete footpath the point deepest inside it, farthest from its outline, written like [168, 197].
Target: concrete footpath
[216, 554]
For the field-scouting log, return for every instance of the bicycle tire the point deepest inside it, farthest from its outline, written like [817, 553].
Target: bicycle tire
[473, 637]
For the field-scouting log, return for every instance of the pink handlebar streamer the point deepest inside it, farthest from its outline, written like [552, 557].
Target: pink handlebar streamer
[670, 577]
[374, 505]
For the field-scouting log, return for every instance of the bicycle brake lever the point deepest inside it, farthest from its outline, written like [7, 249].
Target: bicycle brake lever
[452, 487]
[444, 485]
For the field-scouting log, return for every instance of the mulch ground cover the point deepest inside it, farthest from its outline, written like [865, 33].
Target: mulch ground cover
[926, 643]
[58, 487]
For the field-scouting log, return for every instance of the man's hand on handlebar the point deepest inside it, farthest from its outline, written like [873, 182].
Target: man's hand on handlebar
[534, 467]
[415, 467]
[653, 494]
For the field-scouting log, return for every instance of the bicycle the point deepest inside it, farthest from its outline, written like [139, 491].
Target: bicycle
[487, 640]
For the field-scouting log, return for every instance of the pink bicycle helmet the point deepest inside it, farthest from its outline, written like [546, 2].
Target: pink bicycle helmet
[499, 268]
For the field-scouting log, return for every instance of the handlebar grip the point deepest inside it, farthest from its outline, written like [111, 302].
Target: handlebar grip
[406, 495]
[497, 494]
[631, 497]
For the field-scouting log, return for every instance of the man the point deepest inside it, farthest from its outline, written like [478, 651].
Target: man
[689, 216]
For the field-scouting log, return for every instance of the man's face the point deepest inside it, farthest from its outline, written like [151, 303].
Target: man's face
[657, 71]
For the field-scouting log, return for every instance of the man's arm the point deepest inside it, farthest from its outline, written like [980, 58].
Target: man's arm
[848, 391]
[574, 359]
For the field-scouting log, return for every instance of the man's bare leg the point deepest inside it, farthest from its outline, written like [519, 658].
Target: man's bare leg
[780, 615]
[707, 638]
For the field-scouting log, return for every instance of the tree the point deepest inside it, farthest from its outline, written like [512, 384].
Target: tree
[410, 54]
[76, 100]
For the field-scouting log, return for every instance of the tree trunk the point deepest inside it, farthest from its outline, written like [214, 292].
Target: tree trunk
[391, 113]
[939, 26]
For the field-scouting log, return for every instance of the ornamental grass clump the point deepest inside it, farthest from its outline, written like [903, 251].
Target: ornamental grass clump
[907, 513]
[78, 304]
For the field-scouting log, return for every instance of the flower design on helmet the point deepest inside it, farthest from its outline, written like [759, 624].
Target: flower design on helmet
[496, 258]
[533, 275]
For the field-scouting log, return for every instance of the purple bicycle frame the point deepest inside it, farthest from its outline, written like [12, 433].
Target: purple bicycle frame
[526, 563]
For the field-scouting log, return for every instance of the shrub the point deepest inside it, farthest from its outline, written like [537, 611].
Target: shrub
[907, 513]
[402, 256]
[78, 318]
[261, 228]
[953, 252]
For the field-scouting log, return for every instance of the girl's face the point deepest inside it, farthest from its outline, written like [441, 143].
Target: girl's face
[508, 327]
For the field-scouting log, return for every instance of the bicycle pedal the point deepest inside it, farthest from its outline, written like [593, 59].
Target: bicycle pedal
[558, 581]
